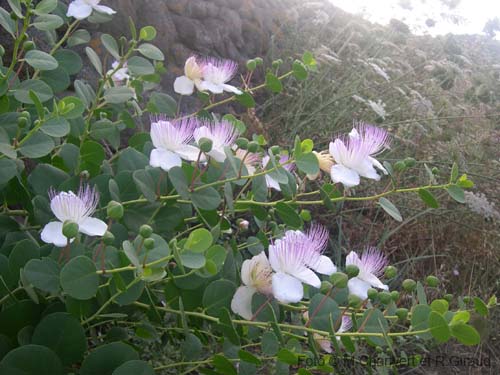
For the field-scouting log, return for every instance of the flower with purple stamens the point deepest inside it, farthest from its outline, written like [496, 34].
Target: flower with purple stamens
[193, 75]
[171, 139]
[251, 160]
[216, 74]
[222, 134]
[78, 208]
[353, 154]
[294, 257]
[371, 266]
[270, 181]
[256, 276]
[81, 9]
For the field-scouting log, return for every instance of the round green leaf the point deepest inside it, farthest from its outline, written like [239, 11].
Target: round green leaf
[206, 199]
[58, 79]
[105, 359]
[41, 60]
[139, 66]
[37, 145]
[40, 88]
[43, 274]
[24, 251]
[45, 176]
[56, 127]
[151, 52]
[134, 367]
[217, 295]
[428, 198]
[48, 22]
[147, 33]
[118, 95]
[192, 260]
[31, 360]
[299, 70]
[466, 334]
[439, 327]
[8, 170]
[273, 83]
[79, 278]
[199, 240]
[62, 333]
[69, 60]
[456, 193]
[191, 347]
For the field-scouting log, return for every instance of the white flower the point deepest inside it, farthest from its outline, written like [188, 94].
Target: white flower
[78, 208]
[256, 277]
[216, 74]
[120, 75]
[251, 160]
[353, 154]
[193, 74]
[270, 181]
[171, 140]
[222, 134]
[371, 266]
[81, 9]
[293, 258]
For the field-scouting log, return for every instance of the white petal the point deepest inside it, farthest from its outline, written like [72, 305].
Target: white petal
[377, 164]
[307, 276]
[242, 302]
[358, 287]
[337, 149]
[324, 343]
[188, 152]
[273, 258]
[93, 227]
[372, 280]
[52, 233]
[183, 85]
[352, 258]
[232, 89]
[104, 9]
[344, 175]
[324, 265]
[366, 169]
[212, 87]
[354, 134]
[79, 9]
[272, 183]
[286, 288]
[218, 155]
[164, 159]
[246, 272]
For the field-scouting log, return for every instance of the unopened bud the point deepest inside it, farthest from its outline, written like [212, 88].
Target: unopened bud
[390, 272]
[306, 215]
[395, 295]
[253, 146]
[115, 210]
[243, 224]
[409, 285]
[70, 229]
[352, 270]
[251, 65]
[277, 63]
[435, 170]
[145, 231]
[29, 45]
[326, 286]
[149, 243]
[385, 297]
[432, 281]
[339, 279]
[354, 301]
[22, 122]
[372, 294]
[205, 144]
[259, 60]
[108, 238]
[448, 297]
[2, 51]
[399, 166]
[410, 162]
[275, 150]
[402, 313]
[242, 143]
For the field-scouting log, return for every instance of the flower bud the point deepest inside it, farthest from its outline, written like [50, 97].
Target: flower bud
[379, 349]
[339, 279]
[2, 51]
[145, 231]
[352, 270]
[390, 272]
[25, 114]
[432, 281]
[108, 238]
[149, 243]
[242, 143]
[85, 175]
[409, 285]
[259, 60]
[29, 45]
[395, 295]
[354, 301]
[448, 297]
[435, 170]
[115, 210]
[410, 162]
[399, 166]
[402, 313]
[205, 144]
[253, 146]
[372, 294]
[277, 63]
[325, 286]
[466, 299]
[275, 150]
[22, 122]
[243, 224]
[385, 297]
[70, 229]
[306, 215]
[251, 65]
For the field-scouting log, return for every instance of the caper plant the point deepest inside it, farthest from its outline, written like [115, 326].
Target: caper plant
[190, 232]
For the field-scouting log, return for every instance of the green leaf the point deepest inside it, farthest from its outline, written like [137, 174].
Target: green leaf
[308, 59]
[464, 182]
[456, 193]
[56, 127]
[22, 252]
[206, 199]
[162, 103]
[91, 157]
[439, 327]
[45, 6]
[79, 278]
[80, 36]
[48, 22]
[249, 357]
[43, 274]
[323, 311]
[8, 170]
[307, 163]
[41, 60]
[134, 367]
[7, 22]
[69, 60]
[105, 359]
[151, 52]
[118, 95]
[440, 306]
[40, 88]
[139, 66]
[420, 319]
[31, 360]
[286, 356]
[191, 347]
[428, 198]
[131, 160]
[146, 184]
[299, 70]
[192, 260]
[374, 321]
[273, 83]
[460, 317]
[111, 46]
[454, 173]
[223, 365]
[147, 33]
[45, 176]
[199, 240]
[178, 179]
[270, 344]
[94, 59]
[246, 99]
[465, 334]
[390, 208]
[15, 5]
[37, 145]
[62, 333]
[58, 79]
[480, 306]
[289, 216]
[217, 295]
